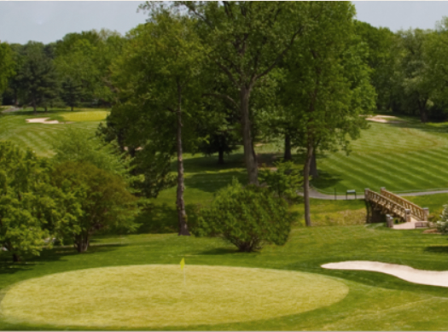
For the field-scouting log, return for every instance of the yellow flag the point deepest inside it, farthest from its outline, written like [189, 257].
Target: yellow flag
[182, 263]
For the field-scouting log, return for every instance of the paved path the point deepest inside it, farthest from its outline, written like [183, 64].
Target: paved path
[315, 194]
[11, 109]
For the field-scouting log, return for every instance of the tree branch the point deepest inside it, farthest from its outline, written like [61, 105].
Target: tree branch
[219, 95]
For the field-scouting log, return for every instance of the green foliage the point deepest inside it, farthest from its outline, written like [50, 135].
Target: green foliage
[37, 77]
[79, 145]
[31, 209]
[284, 182]
[442, 224]
[7, 65]
[248, 217]
[104, 198]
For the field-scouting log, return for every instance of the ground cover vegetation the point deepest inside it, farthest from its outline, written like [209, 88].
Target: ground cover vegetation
[263, 83]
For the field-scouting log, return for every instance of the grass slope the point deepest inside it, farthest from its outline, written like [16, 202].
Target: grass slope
[38, 137]
[400, 157]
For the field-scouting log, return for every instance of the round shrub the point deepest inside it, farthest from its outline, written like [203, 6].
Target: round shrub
[247, 217]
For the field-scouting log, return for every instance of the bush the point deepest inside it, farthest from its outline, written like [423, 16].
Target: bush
[442, 225]
[248, 217]
[284, 182]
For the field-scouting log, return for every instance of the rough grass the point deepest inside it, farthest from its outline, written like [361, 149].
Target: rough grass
[157, 295]
[405, 156]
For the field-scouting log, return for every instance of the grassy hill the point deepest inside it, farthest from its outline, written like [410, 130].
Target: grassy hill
[406, 156]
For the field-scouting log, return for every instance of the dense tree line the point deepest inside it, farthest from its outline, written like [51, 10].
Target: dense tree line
[211, 76]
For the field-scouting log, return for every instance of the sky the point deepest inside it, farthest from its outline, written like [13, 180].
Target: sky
[49, 21]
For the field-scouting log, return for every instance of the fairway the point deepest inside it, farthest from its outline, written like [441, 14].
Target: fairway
[158, 295]
[401, 157]
[85, 116]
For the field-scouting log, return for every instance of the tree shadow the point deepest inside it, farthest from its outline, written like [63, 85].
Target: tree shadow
[212, 182]
[437, 249]
[221, 251]
[326, 180]
[158, 219]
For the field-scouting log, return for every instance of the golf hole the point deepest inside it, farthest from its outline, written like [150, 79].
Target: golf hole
[161, 295]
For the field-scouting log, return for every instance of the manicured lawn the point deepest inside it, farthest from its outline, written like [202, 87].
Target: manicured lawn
[405, 156]
[37, 136]
[375, 301]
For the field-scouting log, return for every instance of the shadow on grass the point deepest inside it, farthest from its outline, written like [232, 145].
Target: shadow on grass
[212, 182]
[326, 180]
[437, 249]
[221, 251]
[162, 219]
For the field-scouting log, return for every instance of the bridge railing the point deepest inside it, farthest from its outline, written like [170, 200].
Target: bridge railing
[390, 205]
[417, 212]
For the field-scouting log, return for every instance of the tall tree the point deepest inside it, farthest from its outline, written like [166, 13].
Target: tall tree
[159, 74]
[327, 86]
[6, 65]
[247, 40]
[37, 76]
[413, 85]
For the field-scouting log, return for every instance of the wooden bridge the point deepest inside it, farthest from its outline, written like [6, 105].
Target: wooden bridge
[394, 206]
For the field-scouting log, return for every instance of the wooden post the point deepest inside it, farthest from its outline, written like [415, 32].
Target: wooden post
[408, 215]
[366, 191]
[425, 214]
[382, 189]
[390, 221]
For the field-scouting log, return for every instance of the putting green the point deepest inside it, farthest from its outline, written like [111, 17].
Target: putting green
[158, 295]
[85, 116]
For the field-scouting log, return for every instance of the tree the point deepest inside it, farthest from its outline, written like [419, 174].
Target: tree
[284, 181]
[104, 198]
[31, 209]
[6, 65]
[83, 60]
[37, 76]
[159, 75]
[380, 58]
[219, 129]
[327, 87]
[247, 40]
[248, 217]
[415, 86]
[79, 145]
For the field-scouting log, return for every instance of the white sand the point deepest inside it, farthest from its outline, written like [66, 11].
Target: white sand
[424, 277]
[385, 119]
[42, 120]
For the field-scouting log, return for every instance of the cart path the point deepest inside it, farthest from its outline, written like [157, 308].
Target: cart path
[315, 194]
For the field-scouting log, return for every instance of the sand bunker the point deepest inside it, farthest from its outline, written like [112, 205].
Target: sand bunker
[42, 120]
[385, 119]
[423, 277]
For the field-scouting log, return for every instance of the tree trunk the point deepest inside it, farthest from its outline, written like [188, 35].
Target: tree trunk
[220, 156]
[71, 107]
[287, 156]
[46, 109]
[181, 214]
[313, 166]
[306, 183]
[34, 106]
[15, 258]
[82, 243]
[249, 155]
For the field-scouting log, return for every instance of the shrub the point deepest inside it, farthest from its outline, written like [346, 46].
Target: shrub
[442, 225]
[247, 217]
[284, 182]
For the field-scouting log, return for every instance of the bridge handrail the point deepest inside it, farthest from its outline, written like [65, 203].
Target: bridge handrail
[416, 210]
[388, 203]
